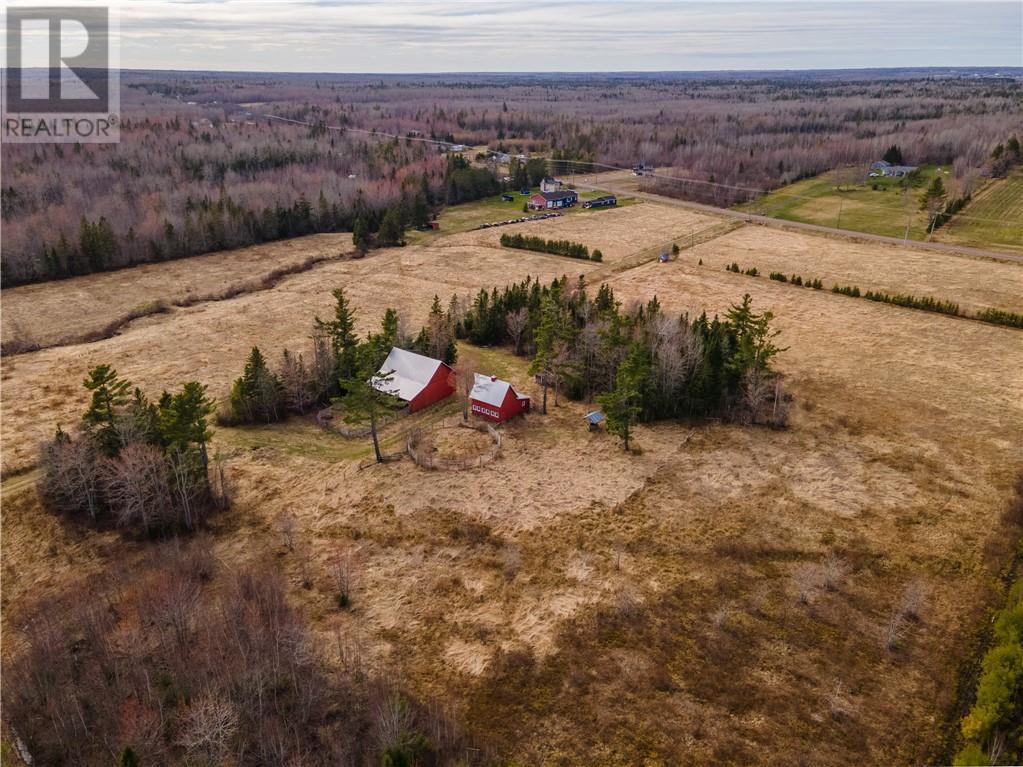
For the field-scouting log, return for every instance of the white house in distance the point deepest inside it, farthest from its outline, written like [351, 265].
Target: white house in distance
[550, 185]
[420, 381]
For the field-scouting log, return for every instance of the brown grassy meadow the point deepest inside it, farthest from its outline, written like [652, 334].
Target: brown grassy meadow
[575, 604]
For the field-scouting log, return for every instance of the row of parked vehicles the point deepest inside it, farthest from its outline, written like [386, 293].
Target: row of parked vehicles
[520, 220]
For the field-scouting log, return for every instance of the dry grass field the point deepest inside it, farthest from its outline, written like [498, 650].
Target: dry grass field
[47, 312]
[574, 604]
[617, 233]
[209, 341]
[972, 283]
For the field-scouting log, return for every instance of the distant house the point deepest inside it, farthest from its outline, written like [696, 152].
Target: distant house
[456, 148]
[553, 200]
[607, 201]
[420, 381]
[550, 185]
[886, 169]
[496, 400]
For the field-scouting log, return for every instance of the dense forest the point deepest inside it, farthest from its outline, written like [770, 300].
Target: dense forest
[201, 167]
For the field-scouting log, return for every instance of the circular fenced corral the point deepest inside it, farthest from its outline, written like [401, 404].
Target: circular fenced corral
[449, 446]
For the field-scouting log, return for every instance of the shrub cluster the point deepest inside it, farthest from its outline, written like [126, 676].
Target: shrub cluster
[142, 464]
[172, 662]
[924, 303]
[995, 721]
[541, 245]
[734, 267]
[1000, 317]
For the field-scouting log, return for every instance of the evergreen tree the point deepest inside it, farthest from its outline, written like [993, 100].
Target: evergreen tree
[184, 421]
[256, 396]
[623, 404]
[934, 194]
[341, 332]
[392, 228]
[546, 338]
[360, 234]
[110, 395]
[365, 396]
[753, 336]
[893, 155]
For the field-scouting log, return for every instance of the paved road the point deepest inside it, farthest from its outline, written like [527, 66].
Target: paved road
[939, 247]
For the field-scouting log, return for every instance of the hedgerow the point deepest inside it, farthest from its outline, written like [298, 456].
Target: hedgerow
[541, 245]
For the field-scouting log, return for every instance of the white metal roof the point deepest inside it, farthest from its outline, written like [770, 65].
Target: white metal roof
[491, 390]
[410, 373]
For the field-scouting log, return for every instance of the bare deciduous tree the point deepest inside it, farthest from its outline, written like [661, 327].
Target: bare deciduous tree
[807, 582]
[342, 568]
[465, 370]
[72, 475]
[297, 383]
[894, 630]
[912, 600]
[286, 524]
[516, 322]
[137, 486]
[210, 726]
[832, 572]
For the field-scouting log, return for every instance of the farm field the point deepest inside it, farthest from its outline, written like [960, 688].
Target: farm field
[1000, 201]
[616, 232]
[857, 207]
[576, 604]
[972, 283]
[48, 312]
[209, 341]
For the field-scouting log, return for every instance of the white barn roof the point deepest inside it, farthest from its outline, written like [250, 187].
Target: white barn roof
[491, 390]
[410, 373]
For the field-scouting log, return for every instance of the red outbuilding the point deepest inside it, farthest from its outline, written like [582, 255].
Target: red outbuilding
[496, 400]
[420, 381]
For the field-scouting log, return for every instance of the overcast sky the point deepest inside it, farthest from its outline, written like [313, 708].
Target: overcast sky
[571, 35]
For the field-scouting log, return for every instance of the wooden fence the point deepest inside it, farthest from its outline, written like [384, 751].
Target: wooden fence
[428, 461]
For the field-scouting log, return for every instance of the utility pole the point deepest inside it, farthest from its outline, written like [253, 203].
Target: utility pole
[838, 224]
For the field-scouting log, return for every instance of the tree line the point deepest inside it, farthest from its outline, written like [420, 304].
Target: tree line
[139, 464]
[906, 300]
[554, 247]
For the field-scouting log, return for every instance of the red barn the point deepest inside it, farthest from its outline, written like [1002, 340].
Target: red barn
[496, 400]
[420, 381]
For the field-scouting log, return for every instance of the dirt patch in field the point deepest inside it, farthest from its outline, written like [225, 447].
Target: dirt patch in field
[454, 442]
[973, 283]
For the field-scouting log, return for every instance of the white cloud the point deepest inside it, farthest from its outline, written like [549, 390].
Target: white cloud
[573, 35]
